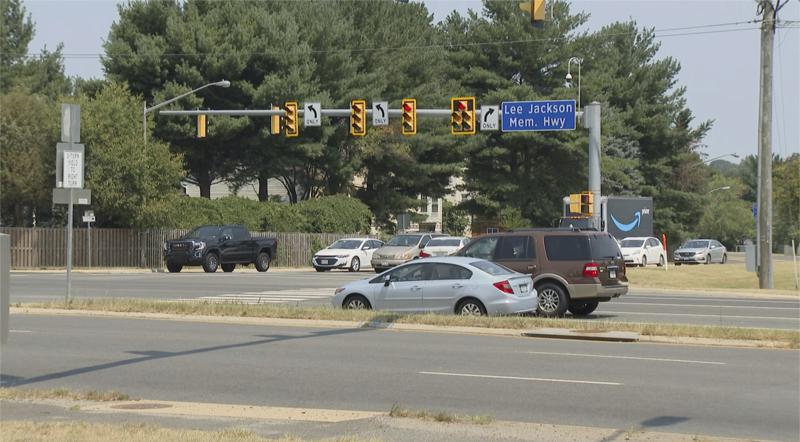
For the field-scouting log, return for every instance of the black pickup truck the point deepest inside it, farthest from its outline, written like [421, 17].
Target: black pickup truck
[219, 246]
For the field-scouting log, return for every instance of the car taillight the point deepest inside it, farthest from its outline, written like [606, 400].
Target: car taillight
[422, 254]
[591, 270]
[504, 287]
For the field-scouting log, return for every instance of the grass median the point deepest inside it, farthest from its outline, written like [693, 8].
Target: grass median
[779, 338]
[731, 276]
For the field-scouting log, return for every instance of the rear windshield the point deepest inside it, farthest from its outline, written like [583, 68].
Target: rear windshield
[404, 240]
[695, 245]
[604, 246]
[631, 243]
[491, 268]
[444, 243]
[567, 248]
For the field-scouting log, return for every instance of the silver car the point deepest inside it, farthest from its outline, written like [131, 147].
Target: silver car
[697, 251]
[460, 285]
[399, 249]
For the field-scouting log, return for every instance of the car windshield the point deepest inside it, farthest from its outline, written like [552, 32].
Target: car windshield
[695, 244]
[404, 240]
[444, 243]
[491, 268]
[631, 243]
[202, 232]
[346, 244]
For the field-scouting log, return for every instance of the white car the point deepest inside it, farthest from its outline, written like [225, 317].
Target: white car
[642, 251]
[346, 253]
[449, 285]
[443, 246]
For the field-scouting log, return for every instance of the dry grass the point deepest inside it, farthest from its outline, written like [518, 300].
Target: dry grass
[788, 338]
[61, 393]
[440, 416]
[731, 276]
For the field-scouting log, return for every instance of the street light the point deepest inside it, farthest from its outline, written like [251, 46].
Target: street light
[718, 188]
[715, 158]
[568, 83]
[221, 83]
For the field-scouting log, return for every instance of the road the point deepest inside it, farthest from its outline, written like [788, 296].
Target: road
[312, 288]
[748, 393]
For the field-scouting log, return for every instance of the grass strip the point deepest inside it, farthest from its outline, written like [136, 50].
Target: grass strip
[784, 338]
[61, 393]
[440, 416]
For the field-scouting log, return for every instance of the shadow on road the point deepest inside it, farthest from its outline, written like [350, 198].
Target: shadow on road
[649, 424]
[152, 355]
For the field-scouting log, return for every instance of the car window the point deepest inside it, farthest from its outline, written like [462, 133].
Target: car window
[404, 240]
[603, 247]
[491, 268]
[227, 231]
[240, 233]
[631, 243]
[514, 247]
[567, 248]
[377, 244]
[436, 242]
[695, 244]
[425, 240]
[413, 272]
[348, 244]
[481, 248]
[203, 232]
[441, 271]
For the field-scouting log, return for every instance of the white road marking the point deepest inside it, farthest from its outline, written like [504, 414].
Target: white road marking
[20, 331]
[709, 298]
[518, 378]
[704, 316]
[267, 296]
[686, 361]
[710, 305]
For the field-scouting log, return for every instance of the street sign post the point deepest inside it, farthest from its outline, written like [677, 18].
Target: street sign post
[88, 218]
[312, 115]
[538, 116]
[490, 118]
[380, 113]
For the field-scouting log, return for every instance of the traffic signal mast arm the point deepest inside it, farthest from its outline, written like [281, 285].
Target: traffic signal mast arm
[344, 113]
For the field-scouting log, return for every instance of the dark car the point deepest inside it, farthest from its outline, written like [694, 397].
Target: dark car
[572, 269]
[219, 246]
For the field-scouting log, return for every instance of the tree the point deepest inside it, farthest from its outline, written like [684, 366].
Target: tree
[726, 218]
[16, 33]
[454, 221]
[786, 197]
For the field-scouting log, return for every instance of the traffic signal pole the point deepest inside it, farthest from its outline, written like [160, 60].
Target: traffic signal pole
[591, 121]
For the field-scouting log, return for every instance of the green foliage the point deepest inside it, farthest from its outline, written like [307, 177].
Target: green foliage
[786, 197]
[336, 213]
[455, 221]
[727, 218]
[512, 218]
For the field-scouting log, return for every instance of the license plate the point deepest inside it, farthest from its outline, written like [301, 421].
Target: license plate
[523, 288]
[612, 273]
[327, 261]
[384, 263]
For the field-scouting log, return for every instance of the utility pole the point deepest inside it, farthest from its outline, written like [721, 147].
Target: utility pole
[768, 19]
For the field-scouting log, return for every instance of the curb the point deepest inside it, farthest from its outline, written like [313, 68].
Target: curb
[563, 333]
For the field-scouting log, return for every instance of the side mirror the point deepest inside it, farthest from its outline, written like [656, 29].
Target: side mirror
[387, 279]
[365, 248]
[226, 237]
[421, 246]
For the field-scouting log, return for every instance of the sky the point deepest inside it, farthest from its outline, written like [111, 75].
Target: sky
[720, 70]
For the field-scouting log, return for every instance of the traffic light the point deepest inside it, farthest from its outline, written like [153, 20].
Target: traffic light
[275, 126]
[290, 127]
[409, 124]
[462, 116]
[358, 118]
[536, 9]
[201, 126]
[574, 203]
[587, 203]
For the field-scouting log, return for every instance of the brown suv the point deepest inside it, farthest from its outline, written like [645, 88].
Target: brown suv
[572, 269]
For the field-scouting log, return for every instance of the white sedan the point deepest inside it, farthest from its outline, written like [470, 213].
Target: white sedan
[443, 246]
[346, 253]
[455, 284]
[643, 251]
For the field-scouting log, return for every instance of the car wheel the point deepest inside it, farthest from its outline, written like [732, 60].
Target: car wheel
[174, 268]
[644, 261]
[724, 258]
[263, 262]
[552, 300]
[356, 302]
[708, 259]
[210, 263]
[355, 265]
[583, 308]
[470, 307]
[677, 264]
[227, 268]
[661, 260]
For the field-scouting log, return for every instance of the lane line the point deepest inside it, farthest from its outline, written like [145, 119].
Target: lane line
[20, 331]
[710, 305]
[705, 316]
[518, 378]
[635, 358]
[711, 298]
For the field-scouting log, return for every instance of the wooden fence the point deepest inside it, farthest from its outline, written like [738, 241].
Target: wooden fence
[33, 248]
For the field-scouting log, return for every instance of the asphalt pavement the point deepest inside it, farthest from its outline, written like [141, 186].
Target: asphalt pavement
[312, 288]
[748, 393]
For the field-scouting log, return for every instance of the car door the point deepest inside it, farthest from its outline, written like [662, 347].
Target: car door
[517, 253]
[372, 245]
[718, 251]
[405, 289]
[445, 284]
[244, 245]
[227, 246]
[653, 251]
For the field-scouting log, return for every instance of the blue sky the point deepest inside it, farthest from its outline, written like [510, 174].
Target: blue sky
[720, 70]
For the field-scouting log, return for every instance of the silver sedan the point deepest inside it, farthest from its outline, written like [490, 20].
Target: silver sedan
[460, 285]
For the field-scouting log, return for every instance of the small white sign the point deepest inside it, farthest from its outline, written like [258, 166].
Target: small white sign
[490, 117]
[73, 170]
[312, 114]
[88, 219]
[380, 113]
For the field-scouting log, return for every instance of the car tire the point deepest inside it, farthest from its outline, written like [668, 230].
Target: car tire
[582, 308]
[356, 302]
[470, 307]
[263, 261]
[210, 262]
[644, 261]
[708, 259]
[320, 269]
[227, 268]
[553, 300]
[355, 265]
[724, 258]
[174, 268]
[677, 264]
[661, 261]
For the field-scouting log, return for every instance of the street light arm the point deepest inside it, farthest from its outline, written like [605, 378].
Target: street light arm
[223, 83]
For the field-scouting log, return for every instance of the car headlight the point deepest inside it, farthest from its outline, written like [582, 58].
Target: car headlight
[199, 245]
[406, 255]
[699, 254]
[341, 256]
[165, 246]
[338, 290]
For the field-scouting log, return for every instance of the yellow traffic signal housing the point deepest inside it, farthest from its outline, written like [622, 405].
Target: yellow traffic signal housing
[409, 123]
[201, 126]
[290, 127]
[574, 203]
[275, 126]
[587, 203]
[462, 116]
[358, 118]
[536, 9]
